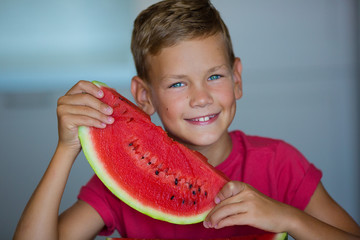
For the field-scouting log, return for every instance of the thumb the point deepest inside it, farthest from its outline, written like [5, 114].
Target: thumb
[228, 190]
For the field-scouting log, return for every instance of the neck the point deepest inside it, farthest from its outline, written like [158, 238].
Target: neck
[217, 152]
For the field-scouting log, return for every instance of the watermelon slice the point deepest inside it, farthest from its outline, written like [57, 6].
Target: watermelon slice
[266, 236]
[146, 169]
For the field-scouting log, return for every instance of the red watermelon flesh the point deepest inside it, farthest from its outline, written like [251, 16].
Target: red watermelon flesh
[266, 236]
[146, 169]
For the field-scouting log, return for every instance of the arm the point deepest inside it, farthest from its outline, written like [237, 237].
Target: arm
[40, 218]
[241, 204]
[80, 221]
[324, 212]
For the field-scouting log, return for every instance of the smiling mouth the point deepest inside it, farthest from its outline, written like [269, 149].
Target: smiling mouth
[204, 119]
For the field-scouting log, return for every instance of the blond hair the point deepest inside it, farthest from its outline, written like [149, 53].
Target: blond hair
[168, 22]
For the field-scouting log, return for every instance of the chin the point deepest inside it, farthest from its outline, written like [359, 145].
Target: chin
[197, 139]
[203, 141]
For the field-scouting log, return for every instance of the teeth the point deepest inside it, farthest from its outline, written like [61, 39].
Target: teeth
[203, 119]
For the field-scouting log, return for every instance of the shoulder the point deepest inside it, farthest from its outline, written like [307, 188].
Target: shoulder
[267, 160]
[94, 186]
[270, 153]
[278, 151]
[259, 143]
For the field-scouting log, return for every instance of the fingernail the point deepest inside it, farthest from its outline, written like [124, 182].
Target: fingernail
[100, 93]
[217, 200]
[110, 119]
[207, 224]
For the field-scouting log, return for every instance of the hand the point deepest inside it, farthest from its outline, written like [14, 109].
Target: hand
[240, 204]
[81, 106]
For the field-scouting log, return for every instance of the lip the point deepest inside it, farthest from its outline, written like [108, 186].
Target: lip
[203, 120]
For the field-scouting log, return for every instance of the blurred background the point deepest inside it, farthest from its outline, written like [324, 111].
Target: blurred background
[301, 83]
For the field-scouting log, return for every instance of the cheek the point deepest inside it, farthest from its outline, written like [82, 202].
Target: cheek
[226, 96]
[167, 110]
[170, 112]
[170, 105]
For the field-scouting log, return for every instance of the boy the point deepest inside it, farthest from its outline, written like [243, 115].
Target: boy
[188, 74]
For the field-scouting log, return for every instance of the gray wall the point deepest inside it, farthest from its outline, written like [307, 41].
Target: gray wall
[300, 80]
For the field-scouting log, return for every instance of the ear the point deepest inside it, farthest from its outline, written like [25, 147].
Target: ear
[142, 95]
[237, 70]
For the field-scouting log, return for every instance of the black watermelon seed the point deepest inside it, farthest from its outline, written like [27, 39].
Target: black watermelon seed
[194, 202]
[130, 144]
[190, 186]
[176, 181]
[149, 163]
[142, 157]
[157, 172]
[121, 98]
[199, 190]
[183, 201]
[194, 192]
[172, 197]
[205, 193]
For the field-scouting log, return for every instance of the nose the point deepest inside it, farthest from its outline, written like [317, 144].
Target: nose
[200, 97]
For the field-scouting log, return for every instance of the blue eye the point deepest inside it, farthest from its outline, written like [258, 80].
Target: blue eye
[214, 77]
[176, 85]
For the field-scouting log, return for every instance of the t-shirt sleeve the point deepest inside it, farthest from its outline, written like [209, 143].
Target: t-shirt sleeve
[95, 194]
[297, 178]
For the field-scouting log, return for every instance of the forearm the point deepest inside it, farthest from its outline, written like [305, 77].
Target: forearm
[40, 217]
[304, 226]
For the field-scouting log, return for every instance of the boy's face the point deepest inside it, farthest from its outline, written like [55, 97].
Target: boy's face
[194, 90]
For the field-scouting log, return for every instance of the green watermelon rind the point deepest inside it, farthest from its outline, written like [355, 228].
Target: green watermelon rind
[281, 236]
[100, 171]
[97, 83]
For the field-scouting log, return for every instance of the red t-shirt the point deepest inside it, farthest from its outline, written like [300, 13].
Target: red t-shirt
[273, 167]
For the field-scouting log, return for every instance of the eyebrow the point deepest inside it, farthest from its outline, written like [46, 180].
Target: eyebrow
[214, 69]
[178, 77]
[182, 76]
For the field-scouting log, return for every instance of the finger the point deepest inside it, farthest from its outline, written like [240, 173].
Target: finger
[238, 219]
[85, 100]
[81, 120]
[223, 211]
[86, 87]
[85, 111]
[230, 189]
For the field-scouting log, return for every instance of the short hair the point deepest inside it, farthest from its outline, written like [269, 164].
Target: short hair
[168, 22]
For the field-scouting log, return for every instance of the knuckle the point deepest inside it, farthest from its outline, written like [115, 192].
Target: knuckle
[60, 110]
[81, 83]
[250, 195]
[60, 100]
